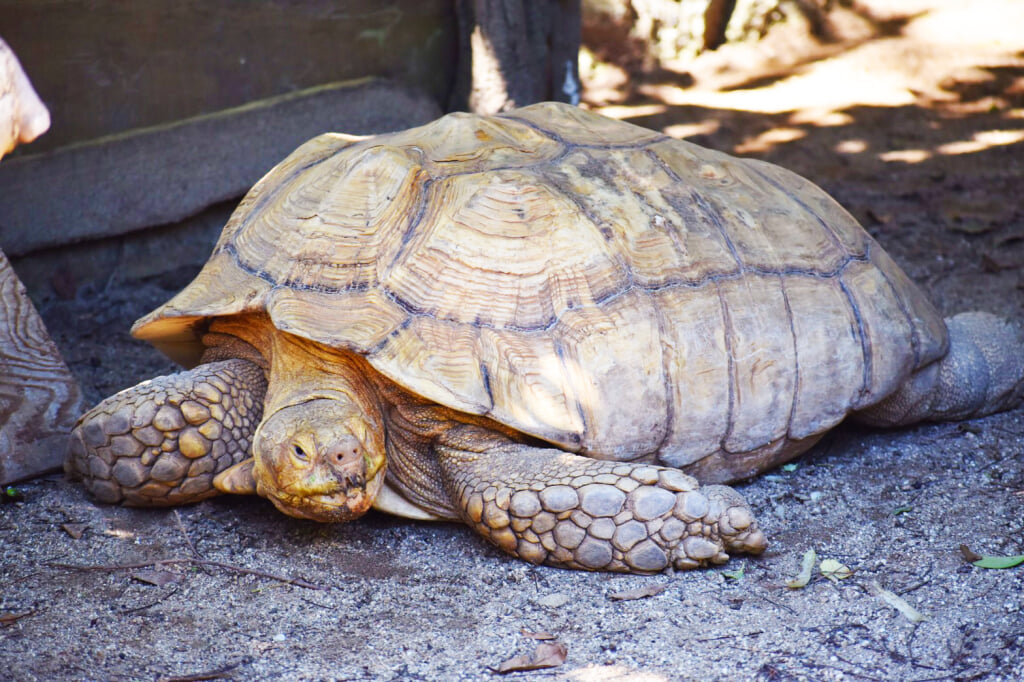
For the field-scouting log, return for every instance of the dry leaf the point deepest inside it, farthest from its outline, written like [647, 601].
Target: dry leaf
[833, 570]
[546, 655]
[898, 603]
[158, 578]
[969, 554]
[806, 568]
[75, 530]
[639, 592]
[8, 618]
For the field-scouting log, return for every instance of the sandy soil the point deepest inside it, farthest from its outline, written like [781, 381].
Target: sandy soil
[918, 131]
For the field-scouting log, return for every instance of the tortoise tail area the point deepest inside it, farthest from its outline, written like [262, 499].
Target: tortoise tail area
[982, 373]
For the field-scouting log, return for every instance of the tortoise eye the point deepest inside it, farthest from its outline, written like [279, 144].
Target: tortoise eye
[299, 452]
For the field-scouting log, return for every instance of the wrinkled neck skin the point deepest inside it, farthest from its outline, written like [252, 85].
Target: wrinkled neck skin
[320, 451]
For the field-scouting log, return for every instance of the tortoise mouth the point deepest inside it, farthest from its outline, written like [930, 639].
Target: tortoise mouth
[342, 503]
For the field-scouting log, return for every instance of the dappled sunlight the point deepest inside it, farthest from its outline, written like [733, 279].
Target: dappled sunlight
[981, 141]
[769, 139]
[932, 63]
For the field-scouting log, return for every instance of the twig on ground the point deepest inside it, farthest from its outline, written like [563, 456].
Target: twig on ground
[298, 582]
[217, 674]
[188, 540]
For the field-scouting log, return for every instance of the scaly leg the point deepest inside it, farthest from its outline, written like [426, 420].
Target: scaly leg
[160, 443]
[982, 373]
[548, 506]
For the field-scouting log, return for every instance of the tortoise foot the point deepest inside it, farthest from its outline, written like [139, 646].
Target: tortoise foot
[161, 443]
[546, 506]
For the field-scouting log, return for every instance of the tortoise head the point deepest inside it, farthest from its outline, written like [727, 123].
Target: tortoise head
[319, 459]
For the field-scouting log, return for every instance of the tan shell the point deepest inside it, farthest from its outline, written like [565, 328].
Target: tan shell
[596, 284]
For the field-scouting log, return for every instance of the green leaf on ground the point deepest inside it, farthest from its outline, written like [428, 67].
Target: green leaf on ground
[999, 561]
[990, 561]
[735, 575]
[806, 568]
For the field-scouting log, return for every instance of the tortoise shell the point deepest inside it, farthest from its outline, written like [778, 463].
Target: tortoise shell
[595, 284]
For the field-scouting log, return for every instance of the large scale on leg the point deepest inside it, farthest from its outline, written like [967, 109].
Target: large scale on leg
[539, 323]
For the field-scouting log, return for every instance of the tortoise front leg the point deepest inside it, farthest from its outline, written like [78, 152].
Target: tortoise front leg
[548, 506]
[161, 442]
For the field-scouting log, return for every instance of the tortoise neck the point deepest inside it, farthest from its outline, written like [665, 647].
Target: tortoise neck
[302, 370]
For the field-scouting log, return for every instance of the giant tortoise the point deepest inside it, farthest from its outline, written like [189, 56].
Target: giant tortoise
[547, 324]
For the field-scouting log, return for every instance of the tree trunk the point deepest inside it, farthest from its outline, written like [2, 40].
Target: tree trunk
[516, 52]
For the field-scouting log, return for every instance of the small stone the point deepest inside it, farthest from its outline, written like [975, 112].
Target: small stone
[543, 522]
[149, 456]
[530, 536]
[647, 556]
[218, 414]
[691, 506]
[649, 502]
[490, 493]
[524, 503]
[494, 516]
[192, 444]
[601, 500]
[569, 535]
[129, 472]
[593, 553]
[685, 563]
[676, 480]
[628, 534]
[194, 413]
[125, 446]
[555, 600]
[646, 475]
[698, 548]
[607, 479]
[558, 498]
[475, 507]
[602, 529]
[547, 541]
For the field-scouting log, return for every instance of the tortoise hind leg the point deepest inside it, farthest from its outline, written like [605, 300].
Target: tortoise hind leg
[161, 442]
[548, 506]
[982, 373]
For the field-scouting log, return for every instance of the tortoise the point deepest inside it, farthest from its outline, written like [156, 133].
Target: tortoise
[546, 324]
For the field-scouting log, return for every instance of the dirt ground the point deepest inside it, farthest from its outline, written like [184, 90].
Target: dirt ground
[915, 122]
